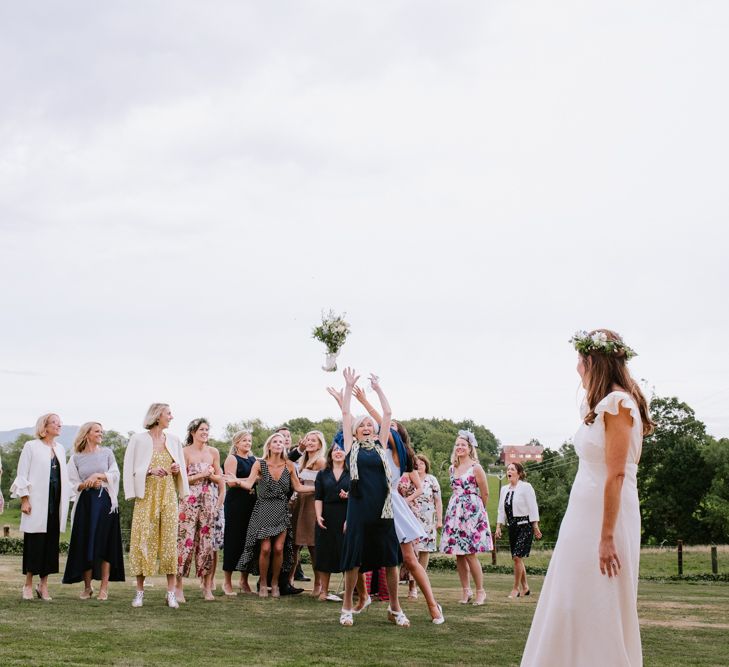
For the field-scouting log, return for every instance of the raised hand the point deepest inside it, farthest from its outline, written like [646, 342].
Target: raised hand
[375, 382]
[350, 377]
[338, 395]
[360, 395]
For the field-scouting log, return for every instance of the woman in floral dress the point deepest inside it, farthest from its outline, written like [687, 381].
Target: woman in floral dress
[466, 530]
[199, 509]
[428, 508]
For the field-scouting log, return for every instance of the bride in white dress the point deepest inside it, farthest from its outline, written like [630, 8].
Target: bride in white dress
[587, 611]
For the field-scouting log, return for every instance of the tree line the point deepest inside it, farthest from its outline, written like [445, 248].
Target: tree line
[683, 476]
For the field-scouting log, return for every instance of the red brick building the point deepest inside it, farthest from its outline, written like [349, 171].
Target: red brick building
[520, 454]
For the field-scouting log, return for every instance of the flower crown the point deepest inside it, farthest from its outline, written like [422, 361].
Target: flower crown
[586, 343]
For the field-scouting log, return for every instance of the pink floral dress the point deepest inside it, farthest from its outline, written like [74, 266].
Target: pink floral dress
[466, 527]
[196, 525]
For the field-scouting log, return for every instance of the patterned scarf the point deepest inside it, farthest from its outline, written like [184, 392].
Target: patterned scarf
[354, 470]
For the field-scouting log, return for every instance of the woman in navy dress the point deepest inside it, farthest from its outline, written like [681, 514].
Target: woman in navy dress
[331, 490]
[95, 549]
[370, 541]
[239, 503]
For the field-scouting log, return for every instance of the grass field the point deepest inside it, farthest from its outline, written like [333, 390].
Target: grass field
[682, 624]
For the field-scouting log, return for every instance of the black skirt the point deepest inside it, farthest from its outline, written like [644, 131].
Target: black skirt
[521, 534]
[329, 542]
[95, 538]
[40, 550]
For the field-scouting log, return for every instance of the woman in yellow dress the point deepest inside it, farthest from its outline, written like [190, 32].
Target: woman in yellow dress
[154, 475]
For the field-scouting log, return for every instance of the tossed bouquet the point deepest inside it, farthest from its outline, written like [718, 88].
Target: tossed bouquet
[333, 332]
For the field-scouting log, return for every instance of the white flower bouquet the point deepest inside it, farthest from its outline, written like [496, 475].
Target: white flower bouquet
[333, 332]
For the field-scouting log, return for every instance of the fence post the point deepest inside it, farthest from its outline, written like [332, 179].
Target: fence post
[6, 530]
[714, 560]
[680, 558]
[493, 554]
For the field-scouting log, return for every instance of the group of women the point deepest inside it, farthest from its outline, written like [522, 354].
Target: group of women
[260, 511]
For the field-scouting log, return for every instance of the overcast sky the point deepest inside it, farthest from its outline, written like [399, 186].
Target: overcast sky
[184, 186]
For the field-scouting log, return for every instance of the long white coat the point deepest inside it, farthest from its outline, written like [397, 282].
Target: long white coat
[34, 470]
[137, 458]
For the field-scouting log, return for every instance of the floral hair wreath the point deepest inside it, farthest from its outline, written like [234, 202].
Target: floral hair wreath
[586, 343]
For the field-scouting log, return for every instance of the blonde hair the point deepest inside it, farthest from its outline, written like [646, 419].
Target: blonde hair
[267, 444]
[471, 451]
[155, 411]
[358, 422]
[82, 437]
[320, 453]
[237, 437]
[40, 425]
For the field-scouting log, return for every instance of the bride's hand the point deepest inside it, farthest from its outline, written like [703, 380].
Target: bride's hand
[609, 560]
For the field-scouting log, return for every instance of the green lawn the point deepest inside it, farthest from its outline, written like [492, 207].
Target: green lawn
[681, 623]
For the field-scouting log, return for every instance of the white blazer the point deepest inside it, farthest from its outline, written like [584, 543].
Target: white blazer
[137, 458]
[34, 470]
[524, 502]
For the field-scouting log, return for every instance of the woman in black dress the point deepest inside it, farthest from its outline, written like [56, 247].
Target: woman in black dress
[370, 541]
[269, 530]
[239, 503]
[518, 508]
[95, 550]
[331, 490]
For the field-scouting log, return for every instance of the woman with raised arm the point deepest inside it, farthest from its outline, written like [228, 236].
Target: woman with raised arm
[269, 530]
[42, 485]
[518, 509]
[401, 458]
[154, 475]
[239, 503]
[466, 530]
[199, 509]
[587, 612]
[370, 540]
[95, 550]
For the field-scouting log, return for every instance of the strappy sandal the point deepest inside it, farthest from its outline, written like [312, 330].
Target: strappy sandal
[440, 619]
[87, 594]
[346, 618]
[103, 596]
[469, 596]
[480, 598]
[398, 618]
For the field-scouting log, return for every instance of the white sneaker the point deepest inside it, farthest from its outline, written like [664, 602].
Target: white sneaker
[172, 600]
[138, 600]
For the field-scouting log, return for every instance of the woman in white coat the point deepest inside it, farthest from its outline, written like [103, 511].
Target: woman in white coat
[43, 488]
[518, 509]
[154, 475]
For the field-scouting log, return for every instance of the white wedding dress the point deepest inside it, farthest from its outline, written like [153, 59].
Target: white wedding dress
[584, 618]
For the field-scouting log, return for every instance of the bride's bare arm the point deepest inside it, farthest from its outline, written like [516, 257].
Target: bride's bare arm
[617, 443]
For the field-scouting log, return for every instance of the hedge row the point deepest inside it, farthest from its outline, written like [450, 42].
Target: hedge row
[14, 546]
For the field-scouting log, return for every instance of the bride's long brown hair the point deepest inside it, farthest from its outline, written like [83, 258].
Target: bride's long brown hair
[603, 372]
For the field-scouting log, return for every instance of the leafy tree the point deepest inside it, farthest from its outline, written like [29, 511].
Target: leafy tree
[552, 480]
[715, 504]
[674, 476]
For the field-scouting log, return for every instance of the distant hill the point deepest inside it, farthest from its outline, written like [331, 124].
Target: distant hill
[68, 433]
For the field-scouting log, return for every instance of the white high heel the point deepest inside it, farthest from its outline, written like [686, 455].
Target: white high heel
[345, 617]
[439, 620]
[366, 604]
